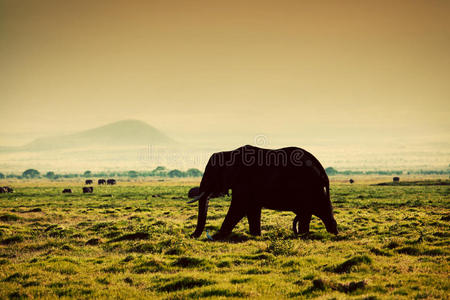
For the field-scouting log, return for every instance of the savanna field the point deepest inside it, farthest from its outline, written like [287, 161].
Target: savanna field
[132, 241]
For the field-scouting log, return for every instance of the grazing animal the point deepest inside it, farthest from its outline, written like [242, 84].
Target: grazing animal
[288, 179]
[396, 179]
[351, 180]
[2, 190]
[67, 191]
[8, 189]
[88, 189]
[101, 181]
[88, 181]
[111, 181]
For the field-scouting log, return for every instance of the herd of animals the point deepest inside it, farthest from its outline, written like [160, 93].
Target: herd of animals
[90, 189]
[287, 179]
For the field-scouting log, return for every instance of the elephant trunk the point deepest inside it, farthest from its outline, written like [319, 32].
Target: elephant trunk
[202, 212]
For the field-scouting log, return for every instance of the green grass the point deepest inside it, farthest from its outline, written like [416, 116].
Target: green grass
[120, 242]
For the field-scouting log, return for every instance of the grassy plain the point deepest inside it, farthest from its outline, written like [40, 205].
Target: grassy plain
[132, 241]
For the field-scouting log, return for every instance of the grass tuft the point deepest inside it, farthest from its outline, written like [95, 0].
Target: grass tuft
[189, 262]
[218, 293]
[347, 265]
[12, 240]
[132, 237]
[9, 218]
[184, 283]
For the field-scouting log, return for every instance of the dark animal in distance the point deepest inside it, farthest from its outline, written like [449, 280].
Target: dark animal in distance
[288, 179]
[7, 189]
[88, 181]
[396, 179]
[65, 191]
[195, 191]
[351, 180]
[101, 181]
[88, 189]
[111, 181]
[2, 190]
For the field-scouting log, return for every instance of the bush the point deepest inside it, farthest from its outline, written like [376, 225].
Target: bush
[175, 173]
[279, 246]
[331, 171]
[50, 175]
[194, 173]
[132, 174]
[30, 173]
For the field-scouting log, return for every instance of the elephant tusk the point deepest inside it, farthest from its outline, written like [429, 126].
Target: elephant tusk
[196, 198]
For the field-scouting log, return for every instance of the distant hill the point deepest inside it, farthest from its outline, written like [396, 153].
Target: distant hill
[119, 134]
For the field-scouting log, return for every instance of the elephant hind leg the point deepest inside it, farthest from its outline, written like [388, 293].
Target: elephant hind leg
[301, 223]
[254, 220]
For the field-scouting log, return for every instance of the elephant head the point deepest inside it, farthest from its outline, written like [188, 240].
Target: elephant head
[324, 211]
[216, 181]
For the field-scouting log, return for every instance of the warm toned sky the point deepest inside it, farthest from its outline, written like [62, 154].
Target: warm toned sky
[196, 68]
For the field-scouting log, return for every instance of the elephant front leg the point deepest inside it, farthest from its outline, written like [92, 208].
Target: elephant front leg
[254, 220]
[235, 214]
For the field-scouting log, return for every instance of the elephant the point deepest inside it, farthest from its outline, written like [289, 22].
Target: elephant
[287, 179]
[67, 191]
[88, 181]
[396, 179]
[8, 189]
[111, 181]
[88, 189]
[101, 181]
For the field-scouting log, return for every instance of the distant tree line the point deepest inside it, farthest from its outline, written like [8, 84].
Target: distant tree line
[332, 171]
[175, 173]
[157, 172]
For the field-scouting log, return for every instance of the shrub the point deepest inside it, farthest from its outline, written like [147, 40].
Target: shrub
[331, 171]
[194, 173]
[30, 173]
[281, 247]
[50, 175]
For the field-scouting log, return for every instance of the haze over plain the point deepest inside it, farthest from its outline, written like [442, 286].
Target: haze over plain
[339, 78]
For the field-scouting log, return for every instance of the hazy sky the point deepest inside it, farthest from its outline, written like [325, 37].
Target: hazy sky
[236, 68]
